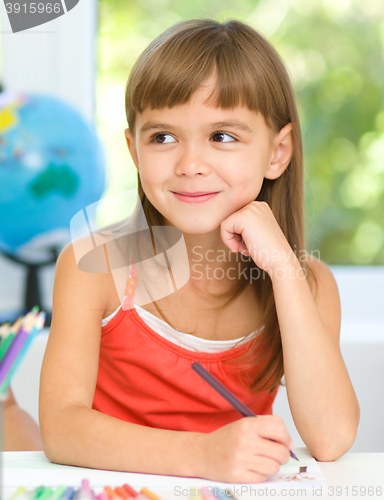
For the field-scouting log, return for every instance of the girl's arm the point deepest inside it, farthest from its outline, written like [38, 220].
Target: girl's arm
[73, 433]
[320, 394]
[21, 432]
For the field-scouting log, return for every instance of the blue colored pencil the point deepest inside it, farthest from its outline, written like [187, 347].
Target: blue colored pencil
[69, 494]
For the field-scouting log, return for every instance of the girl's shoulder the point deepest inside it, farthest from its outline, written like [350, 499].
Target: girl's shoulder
[83, 274]
[318, 274]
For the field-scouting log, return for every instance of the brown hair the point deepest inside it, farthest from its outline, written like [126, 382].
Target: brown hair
[248, 72]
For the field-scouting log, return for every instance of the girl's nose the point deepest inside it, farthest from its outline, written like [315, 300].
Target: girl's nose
[191, 163]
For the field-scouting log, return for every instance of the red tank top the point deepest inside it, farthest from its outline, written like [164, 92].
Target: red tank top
[146, 379]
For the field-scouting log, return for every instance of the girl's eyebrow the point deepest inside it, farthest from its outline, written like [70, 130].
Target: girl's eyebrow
[232, 124]
[237, 124]
[154, 125]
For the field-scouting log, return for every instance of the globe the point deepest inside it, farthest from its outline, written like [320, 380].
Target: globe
[51, 166]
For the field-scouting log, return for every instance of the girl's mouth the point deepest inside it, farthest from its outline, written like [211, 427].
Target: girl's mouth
[197, 197]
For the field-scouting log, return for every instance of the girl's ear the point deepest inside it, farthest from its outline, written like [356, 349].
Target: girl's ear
[132, 147]
[282, 153]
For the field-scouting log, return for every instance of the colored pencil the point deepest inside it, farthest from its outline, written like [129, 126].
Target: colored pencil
[134, 494]
[37, 327]
[69, 493]
[122, 492]
[85, 492]
[230, 494]
[195, 493]
[113, 495]
[226, 394]
[149, 494]
[3, 330]
[38, 492]
[8, 337]
[204, 495]
[208, 494]
[47, 494]
[16, 346]
[20, 491]
[220, 495]
[130, 490]
[59, 492]
[102, 496]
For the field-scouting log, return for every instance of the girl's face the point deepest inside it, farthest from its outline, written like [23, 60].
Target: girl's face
[190, 149]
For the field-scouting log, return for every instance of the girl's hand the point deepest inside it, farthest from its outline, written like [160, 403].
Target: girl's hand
[246, 451]
[253, 230]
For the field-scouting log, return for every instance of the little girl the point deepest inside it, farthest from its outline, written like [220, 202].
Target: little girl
[215, 137]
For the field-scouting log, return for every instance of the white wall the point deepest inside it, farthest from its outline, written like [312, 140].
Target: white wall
[56, 58]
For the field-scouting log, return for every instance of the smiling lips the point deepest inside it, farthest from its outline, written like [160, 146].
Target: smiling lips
[197, 197]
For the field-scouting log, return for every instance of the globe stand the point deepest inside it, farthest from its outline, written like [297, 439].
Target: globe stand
[32, 290]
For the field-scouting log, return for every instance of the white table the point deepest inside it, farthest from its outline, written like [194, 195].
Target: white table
[344, 478]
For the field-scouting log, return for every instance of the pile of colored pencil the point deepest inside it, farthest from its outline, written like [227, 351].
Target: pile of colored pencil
[14, 342]
[84, 493]
[125, 492]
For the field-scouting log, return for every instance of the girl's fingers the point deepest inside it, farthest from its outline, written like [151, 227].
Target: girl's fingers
[243, 247]
[234, 241]
[231, 240]
[252, 448]
[273, 450]
[257, 466]
[266, 461]
[273, 428]
[248, 476]
[265, 466]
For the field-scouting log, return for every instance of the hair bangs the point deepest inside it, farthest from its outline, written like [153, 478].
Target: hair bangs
[174, 66]
[171, 69]
[236, 82]
[178, 62]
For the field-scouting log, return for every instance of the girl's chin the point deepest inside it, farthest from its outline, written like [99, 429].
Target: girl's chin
[199, 230]
[195, 225]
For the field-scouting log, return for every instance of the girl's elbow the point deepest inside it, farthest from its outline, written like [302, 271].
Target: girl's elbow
[333, 444]
[333, 447]
[50, 452]
[50, 443]
[53, 438]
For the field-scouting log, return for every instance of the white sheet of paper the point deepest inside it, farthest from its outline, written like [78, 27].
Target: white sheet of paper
[33, 469]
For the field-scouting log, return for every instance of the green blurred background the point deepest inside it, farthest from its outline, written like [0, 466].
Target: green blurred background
[334, 51]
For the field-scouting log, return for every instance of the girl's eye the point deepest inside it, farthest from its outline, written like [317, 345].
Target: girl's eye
[222, 137]
[162, 138]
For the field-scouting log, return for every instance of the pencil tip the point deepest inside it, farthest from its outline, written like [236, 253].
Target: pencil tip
[29, 321]
[40, 320]
[16, 325]
[4, 328]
